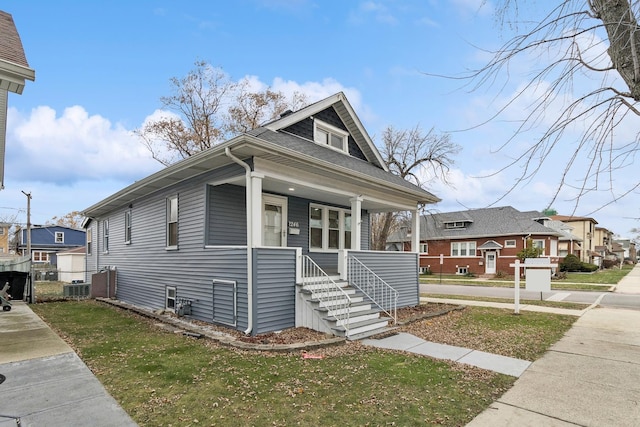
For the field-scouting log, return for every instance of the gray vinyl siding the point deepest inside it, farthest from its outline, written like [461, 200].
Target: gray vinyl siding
[91, 260]
[398, 269]
[226, 215]
[145, 267]
[304, 129]
[274, 273]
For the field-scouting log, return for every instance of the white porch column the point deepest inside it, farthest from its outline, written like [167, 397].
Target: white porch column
[256, 209]
[356, 222]
[415, 230]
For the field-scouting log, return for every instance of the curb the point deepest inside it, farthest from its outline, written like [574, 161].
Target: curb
[197, 332]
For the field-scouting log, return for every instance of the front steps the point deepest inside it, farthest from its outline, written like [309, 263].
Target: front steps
[360, 320]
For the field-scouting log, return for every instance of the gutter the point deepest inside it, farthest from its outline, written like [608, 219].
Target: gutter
[249, 203]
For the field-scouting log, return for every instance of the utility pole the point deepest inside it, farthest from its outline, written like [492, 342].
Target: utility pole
[29, 291]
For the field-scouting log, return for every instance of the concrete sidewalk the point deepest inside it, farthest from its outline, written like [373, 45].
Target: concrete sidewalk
[591, 377]
[44, 383]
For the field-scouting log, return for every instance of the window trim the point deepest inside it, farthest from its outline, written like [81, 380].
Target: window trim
[58, 234]
[105, 236]
[169, 244]
[330, 129]
[168, 298]
[424, 246]
[342, 244]
[46, 254]
[127, 227]
[507, 243]
[89, 235]
[468, 245]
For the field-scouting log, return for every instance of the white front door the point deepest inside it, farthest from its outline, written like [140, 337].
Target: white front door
[274, 221]
[490, 267]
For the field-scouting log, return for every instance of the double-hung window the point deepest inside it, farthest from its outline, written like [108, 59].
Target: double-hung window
[89, 241]
[59, 237]
[329, 228]
[463, 248]
[127, 227]
[326, 134]
[172, 222]
[105, 235]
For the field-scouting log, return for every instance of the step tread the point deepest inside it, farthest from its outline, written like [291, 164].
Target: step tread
[356, 325]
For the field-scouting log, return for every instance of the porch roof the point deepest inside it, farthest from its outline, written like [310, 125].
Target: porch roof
[279, 148]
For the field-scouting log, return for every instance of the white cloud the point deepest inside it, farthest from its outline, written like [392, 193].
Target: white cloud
[73, 146]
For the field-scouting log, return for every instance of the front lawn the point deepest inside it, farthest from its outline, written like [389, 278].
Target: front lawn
[162, 378]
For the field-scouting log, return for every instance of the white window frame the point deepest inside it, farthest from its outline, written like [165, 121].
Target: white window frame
[59, 236]
[342, 229]
[172, 220]
[424, 248]
[41, 255]
[539, 243]
[469, 249]
[105, 236]
[127, 227]
[89, 241]
[320, 126]
[462, 271]
[510, 243]
[455, 224]
[170, 295]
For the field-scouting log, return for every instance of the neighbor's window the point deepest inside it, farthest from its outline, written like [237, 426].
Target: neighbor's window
[39, 256]
[456, 224]
[463, 248]
[59, 237]
[424, 248]
[329, 228]
[127, 227]
[172, 222]
[462, 270]
[89, 240]
[105, 235]
[324, 133]
[509, 243]
[170, 298]
[540, 245]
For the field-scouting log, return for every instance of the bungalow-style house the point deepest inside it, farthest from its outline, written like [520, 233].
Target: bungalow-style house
[479, 241]
[47, 241]
[14, 70]
[584, 228]
[267, 231]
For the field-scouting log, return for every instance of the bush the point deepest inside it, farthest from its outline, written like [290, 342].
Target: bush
[610, 263]
[589, 268]
[571, 263]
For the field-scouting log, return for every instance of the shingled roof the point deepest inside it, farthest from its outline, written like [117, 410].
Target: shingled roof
[14, 68]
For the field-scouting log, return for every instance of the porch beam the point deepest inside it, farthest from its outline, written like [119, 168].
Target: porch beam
[415, 230]
[356, 222]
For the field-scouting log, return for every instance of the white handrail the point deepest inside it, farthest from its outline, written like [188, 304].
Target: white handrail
[373, 286]
[326, 291]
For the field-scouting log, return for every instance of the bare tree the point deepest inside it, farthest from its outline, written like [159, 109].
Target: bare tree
[206, 108]
[594, 43]
[417, 157]
[72, 220]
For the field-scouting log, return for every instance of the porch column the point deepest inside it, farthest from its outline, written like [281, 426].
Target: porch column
[356, 222]
[256, 209]
[415, 230]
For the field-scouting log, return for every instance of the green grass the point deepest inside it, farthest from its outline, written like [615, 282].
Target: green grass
[161, 378]
[542, 303]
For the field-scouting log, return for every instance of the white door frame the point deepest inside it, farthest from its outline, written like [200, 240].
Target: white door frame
[283, 203]
[492, 269]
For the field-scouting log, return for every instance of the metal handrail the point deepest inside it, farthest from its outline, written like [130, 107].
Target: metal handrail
[373, 286]
[326, 291]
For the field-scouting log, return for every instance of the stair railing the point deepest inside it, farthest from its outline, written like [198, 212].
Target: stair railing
[373, 286]
[326, 291]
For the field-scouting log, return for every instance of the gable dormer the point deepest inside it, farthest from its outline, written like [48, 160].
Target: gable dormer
[332, 123]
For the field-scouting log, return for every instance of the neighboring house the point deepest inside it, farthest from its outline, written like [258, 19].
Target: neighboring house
[568, 243]
[585, 229]
[629, 248]
[4, 238]
[48, 240]
[237, 230]
[14, 69]
[479, 241]
[71, 264]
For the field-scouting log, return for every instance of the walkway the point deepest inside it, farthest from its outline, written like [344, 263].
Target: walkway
[44, 383]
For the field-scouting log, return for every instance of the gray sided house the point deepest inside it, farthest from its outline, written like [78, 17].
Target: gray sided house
[267, 231]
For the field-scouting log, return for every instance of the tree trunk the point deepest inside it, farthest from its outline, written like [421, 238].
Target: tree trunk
[624, 47]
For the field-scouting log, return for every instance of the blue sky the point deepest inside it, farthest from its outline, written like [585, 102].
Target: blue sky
[101, 68]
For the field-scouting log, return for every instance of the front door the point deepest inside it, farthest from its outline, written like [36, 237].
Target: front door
[490, 263]
[274, 221]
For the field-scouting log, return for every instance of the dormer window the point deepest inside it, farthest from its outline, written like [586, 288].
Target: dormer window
[455, 224]
[325, 134]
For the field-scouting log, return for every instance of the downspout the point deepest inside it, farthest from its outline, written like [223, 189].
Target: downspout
[249, 209]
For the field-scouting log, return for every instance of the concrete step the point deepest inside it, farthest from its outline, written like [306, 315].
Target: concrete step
[354, 308]
[354, 317]
[362, 327]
